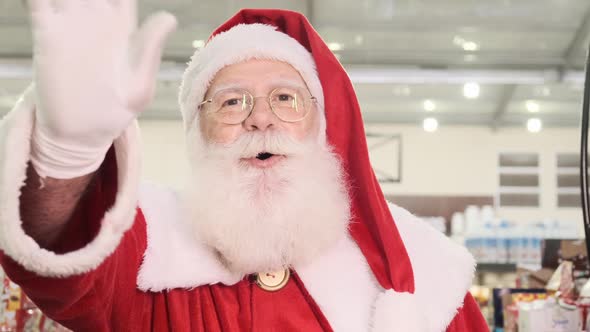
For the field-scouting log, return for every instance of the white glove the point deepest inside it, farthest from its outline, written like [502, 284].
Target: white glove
[94, 73]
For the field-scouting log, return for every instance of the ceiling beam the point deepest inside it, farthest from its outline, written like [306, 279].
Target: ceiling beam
[21, 68]
[399, 75]
[409, 23]
[579, 37]
[507, 94]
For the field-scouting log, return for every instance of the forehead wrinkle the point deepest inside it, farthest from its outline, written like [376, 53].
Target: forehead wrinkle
[248, 85]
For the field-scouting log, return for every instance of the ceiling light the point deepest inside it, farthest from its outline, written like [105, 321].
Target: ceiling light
[467, 45]
[335, 47]
[532, 106]
[471, 90]
[534, 125]
[430, 125]
[198, 43]
[429, 105]
[470, 46]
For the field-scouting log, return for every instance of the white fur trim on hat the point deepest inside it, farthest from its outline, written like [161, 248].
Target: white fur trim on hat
[15, 140]
[238, 44]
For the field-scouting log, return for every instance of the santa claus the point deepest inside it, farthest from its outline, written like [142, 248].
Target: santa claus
[282, 226]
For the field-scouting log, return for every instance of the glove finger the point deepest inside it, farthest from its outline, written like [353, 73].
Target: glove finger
[146, 55]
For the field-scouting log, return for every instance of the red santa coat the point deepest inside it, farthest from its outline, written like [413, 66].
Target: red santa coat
[135, 267]
[127, 261]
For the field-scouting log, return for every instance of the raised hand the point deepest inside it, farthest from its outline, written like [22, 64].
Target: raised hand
[94, 73]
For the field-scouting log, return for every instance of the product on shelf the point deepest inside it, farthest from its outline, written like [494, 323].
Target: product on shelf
[19, 314]
[548, 315]
[505, 302]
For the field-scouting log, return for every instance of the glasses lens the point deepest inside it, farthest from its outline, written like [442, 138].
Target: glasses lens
[231, 106]
[289, 104]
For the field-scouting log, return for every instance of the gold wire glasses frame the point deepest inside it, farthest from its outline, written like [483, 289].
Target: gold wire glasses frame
[233, 106]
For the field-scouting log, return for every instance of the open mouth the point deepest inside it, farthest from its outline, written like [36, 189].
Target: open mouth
[264, 155]
[264, 160]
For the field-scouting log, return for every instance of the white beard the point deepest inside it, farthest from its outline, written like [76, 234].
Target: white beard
[260, 220]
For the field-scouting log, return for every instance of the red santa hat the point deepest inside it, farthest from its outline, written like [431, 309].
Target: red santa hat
[289, 37]
[240, 43]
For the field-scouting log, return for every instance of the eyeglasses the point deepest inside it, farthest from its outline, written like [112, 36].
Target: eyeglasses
[233, 106]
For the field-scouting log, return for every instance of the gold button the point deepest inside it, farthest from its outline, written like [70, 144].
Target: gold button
[273, 281]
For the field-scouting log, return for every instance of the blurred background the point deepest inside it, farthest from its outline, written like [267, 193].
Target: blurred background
[472, 110]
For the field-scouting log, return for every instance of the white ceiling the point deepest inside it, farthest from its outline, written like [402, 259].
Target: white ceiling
[399, 53]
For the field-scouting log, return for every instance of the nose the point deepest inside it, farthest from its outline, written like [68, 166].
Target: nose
[261, 118]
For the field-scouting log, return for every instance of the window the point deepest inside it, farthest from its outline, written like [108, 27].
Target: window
[518, 179]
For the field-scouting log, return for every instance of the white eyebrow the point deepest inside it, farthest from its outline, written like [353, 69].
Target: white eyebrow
[290, 83]
[232, 85]
[272, 84]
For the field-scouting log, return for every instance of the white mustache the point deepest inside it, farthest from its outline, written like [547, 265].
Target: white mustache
[249, 145]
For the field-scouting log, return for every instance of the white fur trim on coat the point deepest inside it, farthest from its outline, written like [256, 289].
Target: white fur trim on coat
[443, 272]
[399, 310]
[172, 247]
[15, 137]
[240, 43]
[343, 286]
[340, 281]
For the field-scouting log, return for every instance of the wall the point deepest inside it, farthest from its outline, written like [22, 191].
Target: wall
[163, 148]
[460, 161]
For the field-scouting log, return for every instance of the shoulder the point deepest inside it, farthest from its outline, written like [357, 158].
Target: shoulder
[443, 273]
[429, 249]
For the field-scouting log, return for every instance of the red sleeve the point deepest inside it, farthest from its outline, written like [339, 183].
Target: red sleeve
[469, 318]
[91, 301]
